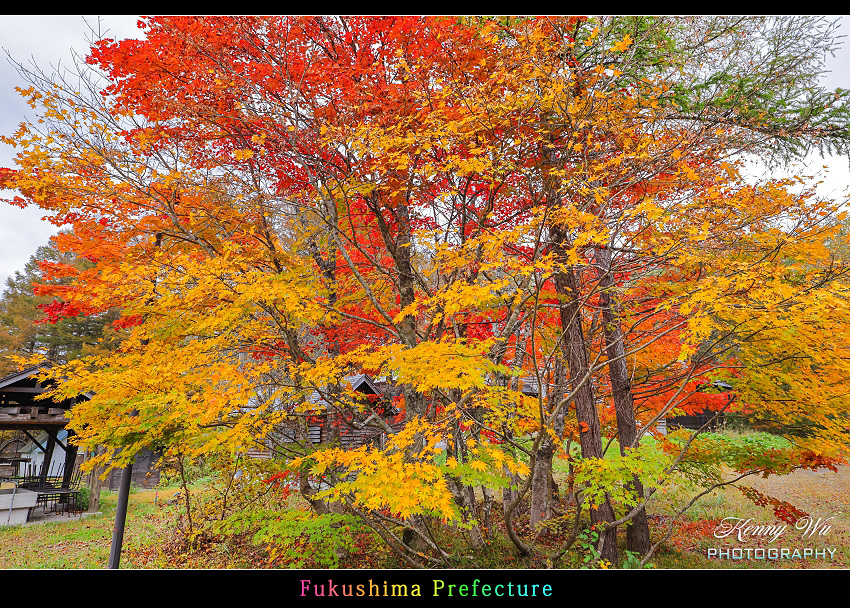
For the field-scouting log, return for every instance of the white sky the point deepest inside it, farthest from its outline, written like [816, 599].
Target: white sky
[48, 40]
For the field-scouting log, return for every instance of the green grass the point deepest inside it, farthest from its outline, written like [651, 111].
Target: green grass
[82, 542]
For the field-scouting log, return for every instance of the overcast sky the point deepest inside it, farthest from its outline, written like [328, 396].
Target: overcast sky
[49, 40]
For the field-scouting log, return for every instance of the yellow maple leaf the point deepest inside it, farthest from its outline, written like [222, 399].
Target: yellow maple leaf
[623, 44]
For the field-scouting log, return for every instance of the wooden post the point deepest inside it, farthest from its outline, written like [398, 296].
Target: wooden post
[70, 461]
[48, 453]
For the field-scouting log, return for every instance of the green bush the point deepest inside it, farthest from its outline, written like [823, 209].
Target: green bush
[301, 538]
[83, 498]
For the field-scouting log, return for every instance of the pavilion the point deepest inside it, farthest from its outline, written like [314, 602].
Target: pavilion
[20, 410]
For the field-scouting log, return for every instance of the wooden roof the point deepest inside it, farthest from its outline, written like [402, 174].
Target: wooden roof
[359, 382]
[19, 408]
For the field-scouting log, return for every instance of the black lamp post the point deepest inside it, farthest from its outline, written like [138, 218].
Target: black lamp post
[121, 513]
[120, 518]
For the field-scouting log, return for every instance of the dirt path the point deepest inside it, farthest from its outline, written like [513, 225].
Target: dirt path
[824, 495]
[820, 493]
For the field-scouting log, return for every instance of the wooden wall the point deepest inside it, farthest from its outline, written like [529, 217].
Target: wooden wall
[145, 474]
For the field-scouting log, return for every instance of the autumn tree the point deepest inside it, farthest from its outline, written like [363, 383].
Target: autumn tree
[687, 85]
[34, 322]
[473, 208]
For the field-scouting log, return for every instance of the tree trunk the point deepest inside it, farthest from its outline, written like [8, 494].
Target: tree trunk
[487, 510]
[95, 484]
[542, 483]
[509, 493]
[540, 490]
[590, 438]
[637, 533]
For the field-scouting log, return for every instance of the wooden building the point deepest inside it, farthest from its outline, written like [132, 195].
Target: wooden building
[379, 396]
[19, 410]
[324, 427]
[43, 424]
[709, 419]
[145, 472]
